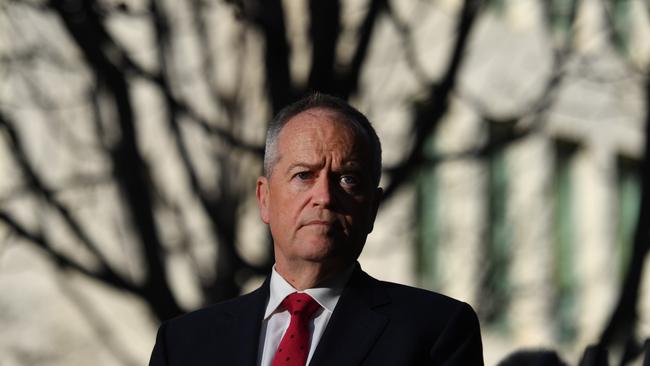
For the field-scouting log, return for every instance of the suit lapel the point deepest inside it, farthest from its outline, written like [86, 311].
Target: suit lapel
[244, 331]
[354, 325]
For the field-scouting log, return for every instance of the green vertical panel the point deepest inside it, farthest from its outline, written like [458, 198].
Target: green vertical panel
[560, 18]
[560, 14]
[629, 198]
[497, 5]
[427, 209]
[621, 19]
[564, 241]
[497, 249]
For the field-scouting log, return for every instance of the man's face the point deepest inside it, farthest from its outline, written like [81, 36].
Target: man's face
[319, 201]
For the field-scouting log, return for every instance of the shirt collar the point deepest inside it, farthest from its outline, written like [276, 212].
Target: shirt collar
[326, 295]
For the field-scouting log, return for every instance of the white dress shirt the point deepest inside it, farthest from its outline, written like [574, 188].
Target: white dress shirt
[276, 320]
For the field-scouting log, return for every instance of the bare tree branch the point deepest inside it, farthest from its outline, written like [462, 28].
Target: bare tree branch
[405, 32]
[430, 111]
[36, 184]
[616, 38]
[183, 108]
[97, 322]
[350, 82]
[324, 31]
[270, 18]
[199, 10]
[86, 29]
[620, 329]
[60, 259]
[221, 210]
[533, 113]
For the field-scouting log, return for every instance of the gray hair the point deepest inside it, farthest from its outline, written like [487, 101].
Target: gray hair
[349, 114]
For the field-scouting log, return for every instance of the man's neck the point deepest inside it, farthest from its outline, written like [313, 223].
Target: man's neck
[309, 275]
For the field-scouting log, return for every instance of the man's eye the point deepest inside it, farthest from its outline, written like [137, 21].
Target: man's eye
[349, 180]
[303, 175]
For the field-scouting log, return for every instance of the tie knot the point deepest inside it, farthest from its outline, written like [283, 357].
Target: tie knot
[301, 304]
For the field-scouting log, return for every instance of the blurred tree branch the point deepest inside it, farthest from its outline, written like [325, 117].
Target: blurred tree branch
[621, 327]
[430, 111]
[36, 185]
[85, 27]
[115, 72]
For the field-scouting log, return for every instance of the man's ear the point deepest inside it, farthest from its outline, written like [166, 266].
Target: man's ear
[378, 197]
[262, 194]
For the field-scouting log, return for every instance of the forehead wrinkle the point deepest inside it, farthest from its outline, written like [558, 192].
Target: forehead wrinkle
[316, 154]
[346, 164]
[306, 141]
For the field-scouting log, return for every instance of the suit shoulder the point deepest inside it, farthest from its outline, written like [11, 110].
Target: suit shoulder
[443, 314]
[408, 297]
[424, 301]
[400, 292]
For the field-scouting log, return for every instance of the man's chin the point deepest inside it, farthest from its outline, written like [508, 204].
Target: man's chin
[321, 248]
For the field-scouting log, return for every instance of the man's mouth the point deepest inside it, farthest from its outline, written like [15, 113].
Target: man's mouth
[319, 223]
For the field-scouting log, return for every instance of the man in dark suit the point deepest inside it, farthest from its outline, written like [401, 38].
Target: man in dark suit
[319, 196]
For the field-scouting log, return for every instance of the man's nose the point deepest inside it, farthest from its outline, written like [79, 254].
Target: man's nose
[323, 191]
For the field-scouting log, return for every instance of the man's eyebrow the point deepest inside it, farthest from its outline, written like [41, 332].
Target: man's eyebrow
[350, 165]
[301, 164]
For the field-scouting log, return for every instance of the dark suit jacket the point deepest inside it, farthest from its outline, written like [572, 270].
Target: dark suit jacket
[374, 323]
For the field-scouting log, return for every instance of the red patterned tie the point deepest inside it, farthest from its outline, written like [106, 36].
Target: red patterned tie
[294, 346]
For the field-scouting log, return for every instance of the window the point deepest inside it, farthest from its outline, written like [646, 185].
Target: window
[427, 212]
[564, 238]
[629, 199]
[495, 289]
